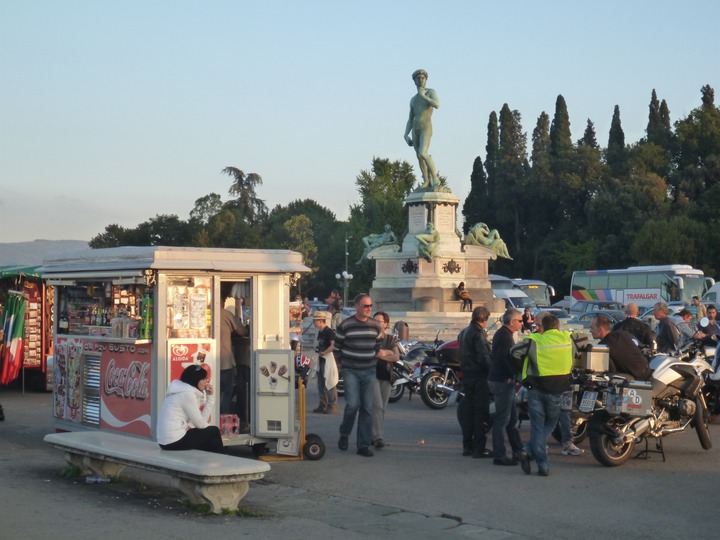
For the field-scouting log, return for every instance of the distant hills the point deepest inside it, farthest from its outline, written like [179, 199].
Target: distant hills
[35, 252]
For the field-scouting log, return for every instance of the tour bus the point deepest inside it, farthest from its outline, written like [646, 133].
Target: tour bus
[642, 285]
[539, 291]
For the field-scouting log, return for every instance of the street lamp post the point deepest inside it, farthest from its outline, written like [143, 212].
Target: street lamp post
[345, 278]
[345, 275]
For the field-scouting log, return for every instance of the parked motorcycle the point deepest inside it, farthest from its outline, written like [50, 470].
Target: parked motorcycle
[586, 397]
[411, 354]
[670, 403]
[402, 378]
[438, 375]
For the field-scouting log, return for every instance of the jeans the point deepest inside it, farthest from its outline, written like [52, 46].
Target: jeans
[506, 418]
[475, 412]
[565, 422]
[359, 397]
[382, 396]
[544, 410]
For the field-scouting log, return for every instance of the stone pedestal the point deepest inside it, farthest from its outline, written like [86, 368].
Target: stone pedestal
[405, 283]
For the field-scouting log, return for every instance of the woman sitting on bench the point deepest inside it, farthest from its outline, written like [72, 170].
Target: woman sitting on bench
[182, 424]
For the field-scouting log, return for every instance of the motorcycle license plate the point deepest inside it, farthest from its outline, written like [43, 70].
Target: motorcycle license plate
[588, 401]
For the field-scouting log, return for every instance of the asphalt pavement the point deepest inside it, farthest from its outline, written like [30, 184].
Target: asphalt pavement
[417, 487]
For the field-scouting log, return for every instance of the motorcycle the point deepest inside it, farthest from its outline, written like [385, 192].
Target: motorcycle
[402, 378]
[438, 375]
[586, 397]
[411, 353]
[670, 403]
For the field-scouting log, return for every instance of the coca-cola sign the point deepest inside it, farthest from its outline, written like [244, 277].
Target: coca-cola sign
[128, 382]
[126, 387]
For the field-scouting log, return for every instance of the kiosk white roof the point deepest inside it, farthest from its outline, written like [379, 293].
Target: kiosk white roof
[128, 258]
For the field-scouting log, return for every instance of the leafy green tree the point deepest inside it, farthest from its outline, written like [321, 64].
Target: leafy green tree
[114, 236]
[252, 209]
[205, 208]
[580, 256]
[300, 237]
[679, 239]
[698, 140]
[328, 236]
[383, 190]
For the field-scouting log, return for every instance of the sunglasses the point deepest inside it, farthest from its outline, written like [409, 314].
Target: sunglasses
[366, 306]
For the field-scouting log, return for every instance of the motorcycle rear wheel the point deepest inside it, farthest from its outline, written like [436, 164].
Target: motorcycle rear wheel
[701, 422]
[396, 393]
[428, 392]
[604, 450]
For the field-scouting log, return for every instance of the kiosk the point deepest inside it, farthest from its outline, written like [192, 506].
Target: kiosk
[128, 320]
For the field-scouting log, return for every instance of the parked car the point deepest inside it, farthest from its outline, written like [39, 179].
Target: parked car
[583, 306]
[584, 320]
[559, 312]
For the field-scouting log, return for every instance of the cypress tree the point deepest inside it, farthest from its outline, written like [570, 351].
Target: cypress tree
[560, 142]
[654, 126]
[616, 152]
[476, 207]
[589, 138]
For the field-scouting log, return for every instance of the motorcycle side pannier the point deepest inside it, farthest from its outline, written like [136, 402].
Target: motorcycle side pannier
[594, 358]
[630, 397]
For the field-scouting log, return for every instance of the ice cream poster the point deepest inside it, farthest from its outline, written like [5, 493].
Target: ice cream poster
[186, 353]
[274, 376]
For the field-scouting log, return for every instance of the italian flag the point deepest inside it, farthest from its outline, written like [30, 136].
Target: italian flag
[13, 327]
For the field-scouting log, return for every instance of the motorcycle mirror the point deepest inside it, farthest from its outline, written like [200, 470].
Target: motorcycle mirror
[704, 321]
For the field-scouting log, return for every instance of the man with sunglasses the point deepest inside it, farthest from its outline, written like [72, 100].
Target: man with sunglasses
[504, 370]
[357, 347]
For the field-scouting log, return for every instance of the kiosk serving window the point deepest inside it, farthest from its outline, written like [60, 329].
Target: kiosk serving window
[189, 305]
[102, 308]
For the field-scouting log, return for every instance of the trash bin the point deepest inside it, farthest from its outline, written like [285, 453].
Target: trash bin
[402, 331]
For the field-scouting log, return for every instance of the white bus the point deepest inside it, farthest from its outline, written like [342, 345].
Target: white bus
[642, 285]
[539, 291]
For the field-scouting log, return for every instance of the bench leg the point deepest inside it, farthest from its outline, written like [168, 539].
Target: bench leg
[219, 496]
[88, 465]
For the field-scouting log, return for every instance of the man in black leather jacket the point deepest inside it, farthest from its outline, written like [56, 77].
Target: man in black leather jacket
[475, 366]
[625, 357]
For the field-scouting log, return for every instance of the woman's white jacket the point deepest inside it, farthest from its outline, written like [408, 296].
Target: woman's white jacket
[181, 411]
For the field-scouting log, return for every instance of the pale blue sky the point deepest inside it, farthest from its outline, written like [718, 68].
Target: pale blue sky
[113, 112]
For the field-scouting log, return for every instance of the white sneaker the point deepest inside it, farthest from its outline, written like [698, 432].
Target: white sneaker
[572, 450]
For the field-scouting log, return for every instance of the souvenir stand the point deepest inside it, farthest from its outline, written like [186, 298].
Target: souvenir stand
[26, 313]
[130, 319]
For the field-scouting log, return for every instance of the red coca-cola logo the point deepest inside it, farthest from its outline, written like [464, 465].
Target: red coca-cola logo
[129, 382]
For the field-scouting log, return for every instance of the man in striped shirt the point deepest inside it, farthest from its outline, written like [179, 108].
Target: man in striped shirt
[357, 347]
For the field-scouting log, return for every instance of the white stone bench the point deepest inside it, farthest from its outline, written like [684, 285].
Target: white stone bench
[216, 479]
